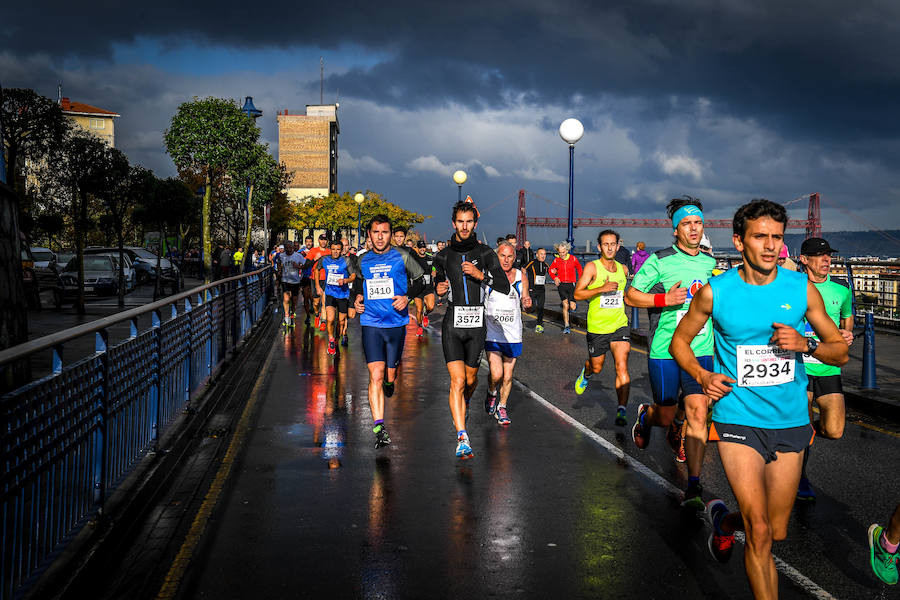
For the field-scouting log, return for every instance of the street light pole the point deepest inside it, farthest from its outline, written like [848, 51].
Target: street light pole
[571, 130]
[460, 178]
[252, 113]
[360, 198]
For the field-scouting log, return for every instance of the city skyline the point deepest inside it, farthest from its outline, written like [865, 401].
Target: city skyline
[723, 102]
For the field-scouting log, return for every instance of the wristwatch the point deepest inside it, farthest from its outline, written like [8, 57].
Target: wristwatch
[811, 344]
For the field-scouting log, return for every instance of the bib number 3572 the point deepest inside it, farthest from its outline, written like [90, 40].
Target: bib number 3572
[468, 316]
[764, 365]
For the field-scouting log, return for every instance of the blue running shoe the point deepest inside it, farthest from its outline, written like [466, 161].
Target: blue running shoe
[566, 329]
[720, 544]
[502, 416]
[581, 383]
[621, 421]
[463, 449]
[805, 491]
[490, 403]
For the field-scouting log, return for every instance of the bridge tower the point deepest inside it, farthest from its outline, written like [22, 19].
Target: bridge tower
[521, 230]
[814, 217]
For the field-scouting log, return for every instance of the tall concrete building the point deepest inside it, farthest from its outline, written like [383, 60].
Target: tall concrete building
[308, 147]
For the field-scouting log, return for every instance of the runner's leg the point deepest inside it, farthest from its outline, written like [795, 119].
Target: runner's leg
[457, 370]
[832, 416]
[620, 352]
[330, 314]
[376, 395]
[696, 407]
[509, 364]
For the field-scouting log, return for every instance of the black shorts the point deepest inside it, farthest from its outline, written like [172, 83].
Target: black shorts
[305, 282]
[341, 304]
[824, 384]
[383, 344]
[765, 441]
[462, 343]
[290, 288]
[566, 291]
[599, 343]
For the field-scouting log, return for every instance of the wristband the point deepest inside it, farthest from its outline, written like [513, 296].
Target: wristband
[659, 300]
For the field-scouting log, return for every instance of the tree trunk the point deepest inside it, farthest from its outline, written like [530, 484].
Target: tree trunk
[13, 311]
[79, 251]
[121, 241]
[247, 236]
[206, 242]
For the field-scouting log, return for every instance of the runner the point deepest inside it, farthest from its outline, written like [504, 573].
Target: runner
[399, 236]
[503, 339]
[388, 274]
[312, 257]
[565, 270]
[603, 284]
[665, 285]
[537, 271]
[760, 419]
[425, 300]
[461, 268]
[306, 279]
[338, 275]
[825, 380]
[883, 543]
[289, 266]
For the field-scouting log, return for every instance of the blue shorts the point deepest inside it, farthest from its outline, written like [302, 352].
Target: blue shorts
[383, 344]
[667, 379]
[509, 350]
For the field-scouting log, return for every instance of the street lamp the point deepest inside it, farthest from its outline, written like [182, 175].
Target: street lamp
[228, 212]
[360, 198]
[571, 131]
[254, 113]
[460, 178]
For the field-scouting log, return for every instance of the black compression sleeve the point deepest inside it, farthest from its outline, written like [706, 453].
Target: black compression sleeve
[493, 274]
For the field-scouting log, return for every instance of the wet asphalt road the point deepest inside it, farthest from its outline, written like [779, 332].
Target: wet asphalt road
[312, 509]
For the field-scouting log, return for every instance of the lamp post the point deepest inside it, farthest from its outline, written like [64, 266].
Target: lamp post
[571, 131]
[252, 113]
[360, 198]
[460, 178]
[228, 212]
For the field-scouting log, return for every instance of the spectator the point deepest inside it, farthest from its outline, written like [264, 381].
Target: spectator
[623, 255]
[637, 259]
[238, 259]
[226, 261]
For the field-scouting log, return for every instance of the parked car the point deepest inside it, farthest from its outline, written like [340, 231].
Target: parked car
[44, 258]
[128, 271]
[144, 262]
[101, 275]
[63, 257]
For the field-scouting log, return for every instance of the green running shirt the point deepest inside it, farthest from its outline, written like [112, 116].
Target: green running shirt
[660, 272]
[606, 312]
[836, 296]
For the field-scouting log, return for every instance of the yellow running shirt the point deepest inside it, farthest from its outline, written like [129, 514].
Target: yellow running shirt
[606, 312]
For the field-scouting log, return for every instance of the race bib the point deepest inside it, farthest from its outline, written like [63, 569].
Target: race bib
[427, 278]
[504, 315]
[764, 365]
[380, 288]
[680, 315]
[611, 300]
[333, 278]
[539, 279]
[468, 316]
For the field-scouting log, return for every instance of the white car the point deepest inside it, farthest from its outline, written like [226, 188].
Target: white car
[43, 257]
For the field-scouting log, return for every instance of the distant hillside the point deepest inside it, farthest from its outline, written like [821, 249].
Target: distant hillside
[854, 243]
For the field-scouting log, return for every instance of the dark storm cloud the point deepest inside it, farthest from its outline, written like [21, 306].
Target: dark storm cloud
[817, 68]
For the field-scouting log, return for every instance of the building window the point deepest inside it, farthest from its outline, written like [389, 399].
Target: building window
[98, 124]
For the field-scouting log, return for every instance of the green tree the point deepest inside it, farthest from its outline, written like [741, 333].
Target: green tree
[33, 128]
[210, 137]
[127, 185]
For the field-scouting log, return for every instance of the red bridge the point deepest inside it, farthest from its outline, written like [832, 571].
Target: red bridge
[812, 223]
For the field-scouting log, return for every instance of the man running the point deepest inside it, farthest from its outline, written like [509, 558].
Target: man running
[565, 270]
[425, 300]
[387, 275]
[537, 271]
[399, 236]
[760, 419]
[825, 380]
[289, 266]
[503, 339]
[461, 268]
[666, 285]
[603, 284]
[338, 276]
[306, 279]
[312, 257]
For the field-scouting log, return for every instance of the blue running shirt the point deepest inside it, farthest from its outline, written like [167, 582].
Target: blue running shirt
[336, 269]
[771, 388]
[385, 276]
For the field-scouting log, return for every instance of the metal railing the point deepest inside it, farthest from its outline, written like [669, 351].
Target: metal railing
[71, 437]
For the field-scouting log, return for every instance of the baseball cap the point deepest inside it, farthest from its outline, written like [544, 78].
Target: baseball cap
[813, 246]
[322, 236]
[421, 244]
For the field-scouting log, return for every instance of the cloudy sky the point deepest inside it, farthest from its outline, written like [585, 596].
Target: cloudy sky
[726, 100]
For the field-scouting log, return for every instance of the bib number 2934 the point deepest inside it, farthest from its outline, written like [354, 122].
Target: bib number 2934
[764, 365]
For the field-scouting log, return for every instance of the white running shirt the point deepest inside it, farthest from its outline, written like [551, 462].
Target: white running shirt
[503, 313]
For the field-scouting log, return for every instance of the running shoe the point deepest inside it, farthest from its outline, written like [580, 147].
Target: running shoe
[388, 387]
[566, 329]
[345, 341]
[490, 402]
[332, 347]
[805, 491]
[425, 321]
[720, 544]
[675, 438]
[581, 383]
[419, 332]
[502, 416]
[640, 433]
[322, 325]
[286, 322]
[693, 498]
[621, 421]
[382, 438]
[883, 563]
[463, 449]
[539, 329]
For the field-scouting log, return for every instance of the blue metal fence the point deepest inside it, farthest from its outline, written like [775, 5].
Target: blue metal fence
[69, 438]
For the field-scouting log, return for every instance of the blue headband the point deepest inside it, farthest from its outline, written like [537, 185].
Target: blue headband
[688, 210]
